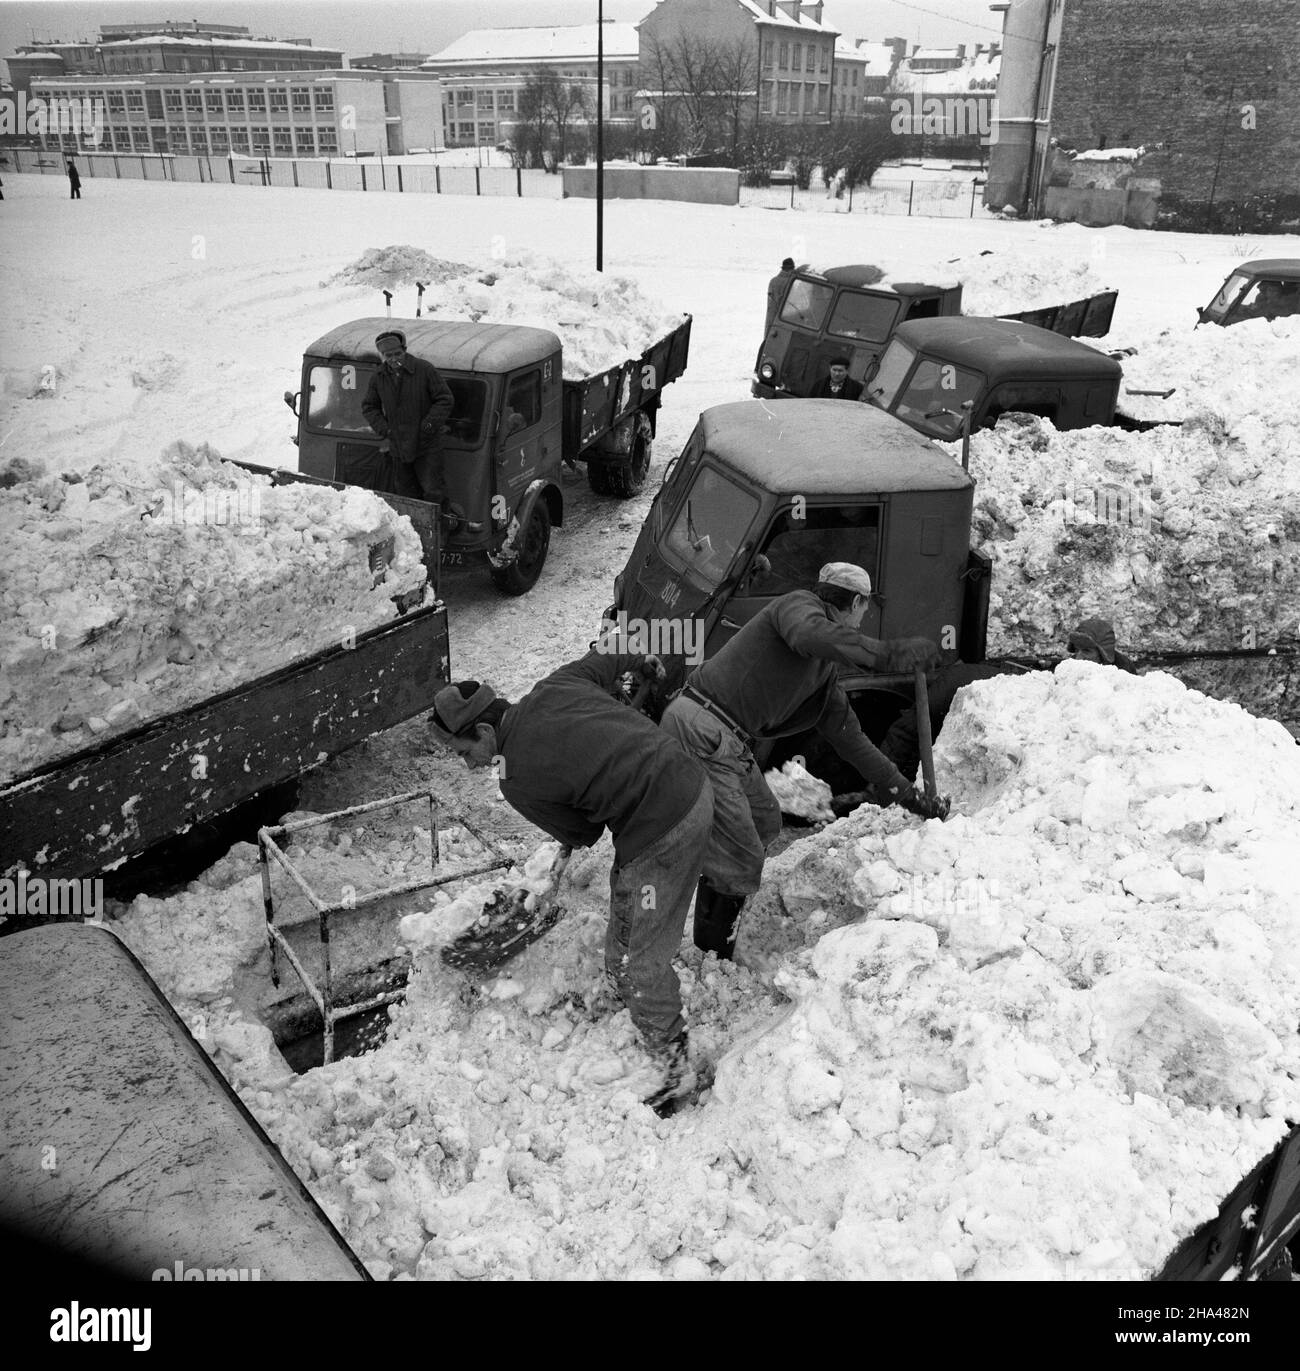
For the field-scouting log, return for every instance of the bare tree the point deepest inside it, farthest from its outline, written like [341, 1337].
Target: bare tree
[703, 88]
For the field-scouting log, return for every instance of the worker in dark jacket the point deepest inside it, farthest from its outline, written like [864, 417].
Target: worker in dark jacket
[837, 385]
[74, 180]
[574, 761]
[779, 676]
[409, 403]
[776, 291]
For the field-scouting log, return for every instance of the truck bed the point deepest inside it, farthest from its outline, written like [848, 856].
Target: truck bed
[1087, 318]
[79, 815]
[597, 403]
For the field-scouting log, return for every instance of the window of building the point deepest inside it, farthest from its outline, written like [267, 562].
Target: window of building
[282, 141]
[324, 100]
[135, 102]
[301, 99]
[239, 140]
[173, 102]
[261, 139]
[797, 55]
[116, 104]
[327, 141]
[784, 60]
[783, 98]
[304, 141]
[220, 140]
[159, 143]
[826, 60]
[279, 100]
[765, 98]
[194, 102]
[212, 102]
[257, 101]
[235, 102]
[153, 99]
[198, 141]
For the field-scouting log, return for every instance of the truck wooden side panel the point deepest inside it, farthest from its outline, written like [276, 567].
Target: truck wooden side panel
[1089, 318]
[597, 403]
[159, 1164]
[76, 817]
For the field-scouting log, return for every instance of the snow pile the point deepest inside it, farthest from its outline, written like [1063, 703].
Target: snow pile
[1185, 538]
[1067, 1027]
[602, 320]
[399, 264]
[800, 793]
[1003, 282]
[124, 602]
[1248, 375]
[1063, 1031]
[1109, 155]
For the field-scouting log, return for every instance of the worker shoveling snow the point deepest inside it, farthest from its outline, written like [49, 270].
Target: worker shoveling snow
[1046, 1038]
[125, 601]
[601, 320]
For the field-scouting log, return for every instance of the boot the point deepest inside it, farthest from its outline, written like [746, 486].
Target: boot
[716, 917]
[679, 1076]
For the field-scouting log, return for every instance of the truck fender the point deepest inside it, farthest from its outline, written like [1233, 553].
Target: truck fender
[536, 490]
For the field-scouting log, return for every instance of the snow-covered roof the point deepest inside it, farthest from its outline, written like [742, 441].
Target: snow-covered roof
[781, 18]
[877, 58]
[970, 76]
[569, 41]
[259, 43]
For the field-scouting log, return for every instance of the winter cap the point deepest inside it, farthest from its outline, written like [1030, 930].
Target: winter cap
[838, 362]
[456, 708]
[391, 333]
[787, 264]
[1098, 634]
[846, 576]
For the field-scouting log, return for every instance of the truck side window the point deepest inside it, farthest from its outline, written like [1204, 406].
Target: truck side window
[858, 315]
[806, 304]
[797, 549]
[523, 407]
[1024, 399]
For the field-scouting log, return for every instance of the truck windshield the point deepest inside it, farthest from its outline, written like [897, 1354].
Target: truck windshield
[858, 315]
[895, 362]
[710, 525]
[1228, 292]
[336, 390]
[933, 397]
[806, 304]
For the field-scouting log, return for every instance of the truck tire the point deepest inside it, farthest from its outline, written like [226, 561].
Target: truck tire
[622, 476]
[520, 576]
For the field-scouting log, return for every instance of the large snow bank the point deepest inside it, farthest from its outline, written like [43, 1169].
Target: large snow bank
[124, 602]
[602, 320]
[1046, 1038]
[1185, 538]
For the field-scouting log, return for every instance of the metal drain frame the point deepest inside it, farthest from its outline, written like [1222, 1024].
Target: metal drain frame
[268, 840]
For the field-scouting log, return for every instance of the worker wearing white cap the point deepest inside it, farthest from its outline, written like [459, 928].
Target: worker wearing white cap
[779, 676]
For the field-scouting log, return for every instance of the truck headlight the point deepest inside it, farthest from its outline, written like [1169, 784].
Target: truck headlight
[767, 372]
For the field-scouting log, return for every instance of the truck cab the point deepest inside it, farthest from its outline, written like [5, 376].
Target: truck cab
[840, 312]
[934, 367]
[501, 457]
[761, 498]
[1263, 289]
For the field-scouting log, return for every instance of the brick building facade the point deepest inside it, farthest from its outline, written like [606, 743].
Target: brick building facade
[1216, 85]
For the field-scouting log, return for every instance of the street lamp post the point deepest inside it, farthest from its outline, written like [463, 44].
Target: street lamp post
[600, 135]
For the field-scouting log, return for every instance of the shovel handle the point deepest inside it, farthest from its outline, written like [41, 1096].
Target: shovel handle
[923, 734]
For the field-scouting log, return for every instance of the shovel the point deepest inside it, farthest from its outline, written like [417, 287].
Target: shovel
[507, 925]
[845, 804]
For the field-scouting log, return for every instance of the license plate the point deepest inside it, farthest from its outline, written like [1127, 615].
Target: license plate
[452, 558]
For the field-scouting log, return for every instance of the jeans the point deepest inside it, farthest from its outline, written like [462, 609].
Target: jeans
[648, 900]
[746, 816]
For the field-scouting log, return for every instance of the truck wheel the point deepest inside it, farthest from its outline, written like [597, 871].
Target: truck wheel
[520, 576]
[622, 476]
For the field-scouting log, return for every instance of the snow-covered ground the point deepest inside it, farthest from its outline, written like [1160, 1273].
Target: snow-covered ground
[911, 1080]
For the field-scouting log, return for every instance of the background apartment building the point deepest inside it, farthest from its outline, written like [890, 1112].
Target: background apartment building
[483, 72]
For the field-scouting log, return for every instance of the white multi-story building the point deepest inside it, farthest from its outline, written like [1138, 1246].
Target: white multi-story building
[483, 72]
[274, 114]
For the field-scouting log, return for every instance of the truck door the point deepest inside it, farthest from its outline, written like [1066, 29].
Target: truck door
[793, 550]
[522, 451]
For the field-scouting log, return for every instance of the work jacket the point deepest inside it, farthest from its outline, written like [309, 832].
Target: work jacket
[575, 761]
[780, 675]
[409, 409]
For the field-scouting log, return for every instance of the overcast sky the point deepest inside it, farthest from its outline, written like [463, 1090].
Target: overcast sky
[427, 25]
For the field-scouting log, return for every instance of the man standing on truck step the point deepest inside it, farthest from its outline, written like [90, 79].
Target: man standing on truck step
[776, 290]
[408, 403]
[574, 761]
[779, 676]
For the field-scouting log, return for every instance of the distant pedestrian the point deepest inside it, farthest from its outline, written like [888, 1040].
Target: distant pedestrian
[838, 386]
[776, 290]
[74, 179]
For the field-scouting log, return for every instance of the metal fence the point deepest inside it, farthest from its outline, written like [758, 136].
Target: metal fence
[312, 173]
[937, 199]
